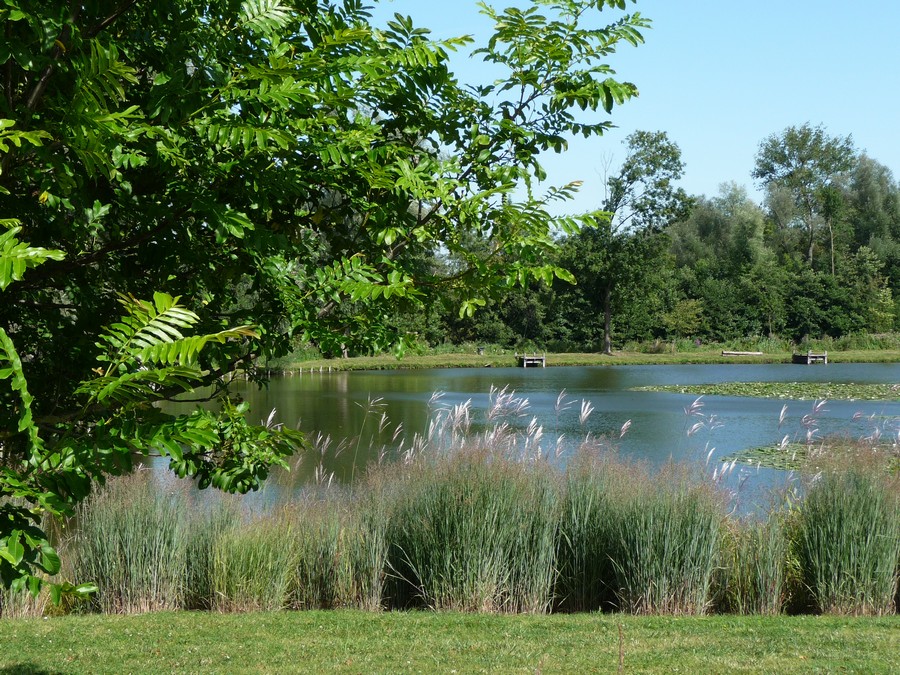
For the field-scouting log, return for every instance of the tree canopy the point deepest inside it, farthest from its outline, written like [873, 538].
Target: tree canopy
[188, 186]
[806, 163]
[615, 261]
[722, 267]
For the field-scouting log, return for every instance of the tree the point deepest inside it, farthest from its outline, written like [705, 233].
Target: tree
[202, 182]
[873, 205]
[624, 243]
[807, 163]
[684, 319]
[726, 231]
[642, 195]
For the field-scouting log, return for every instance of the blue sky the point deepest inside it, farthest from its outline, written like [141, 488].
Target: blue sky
[719, 76]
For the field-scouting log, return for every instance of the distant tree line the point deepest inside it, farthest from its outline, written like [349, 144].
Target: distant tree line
[819, 257]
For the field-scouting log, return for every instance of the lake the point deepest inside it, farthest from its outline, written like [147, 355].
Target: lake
[347, 407]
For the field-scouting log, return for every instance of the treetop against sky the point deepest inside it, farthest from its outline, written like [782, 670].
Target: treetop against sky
[719, 77]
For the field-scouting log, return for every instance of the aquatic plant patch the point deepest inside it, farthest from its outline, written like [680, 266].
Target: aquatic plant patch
[803, 391]
[803, 456]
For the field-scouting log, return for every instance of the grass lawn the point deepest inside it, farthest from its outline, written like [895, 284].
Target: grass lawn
[470, 360]
[424, 642]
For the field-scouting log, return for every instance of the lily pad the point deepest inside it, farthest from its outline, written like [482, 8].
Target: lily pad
[804, 457]
[801, 391]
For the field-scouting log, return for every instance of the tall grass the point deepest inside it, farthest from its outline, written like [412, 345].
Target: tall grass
[848, 543]
[130, 541]
[21, 604]
[483, 522]
[369, 515]
[666, 545]
[203, 529]
[474, 534]
[585, 542]
[253, 565]
[336, 563]
[752, 575]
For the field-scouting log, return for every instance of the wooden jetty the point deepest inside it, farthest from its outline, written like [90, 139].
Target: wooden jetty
[532, 361]
[809, 357]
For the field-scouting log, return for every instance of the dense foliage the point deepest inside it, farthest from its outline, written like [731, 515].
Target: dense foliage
[819, 258]
[188, 186]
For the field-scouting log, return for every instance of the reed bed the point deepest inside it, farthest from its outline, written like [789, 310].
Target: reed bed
[666, 545]
[130, 540]
[474, 534]
[848, 544]
[585, 540]
[751, 579]
[489, 522]
[22, 605]
[253, 565]
[471, 532]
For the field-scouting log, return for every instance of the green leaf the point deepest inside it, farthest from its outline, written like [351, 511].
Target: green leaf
[55, 593]
[16, 257]
[85, 589]
[49, 559]
[34, 586]
[264, 16]
[19, 384]
[14, 550]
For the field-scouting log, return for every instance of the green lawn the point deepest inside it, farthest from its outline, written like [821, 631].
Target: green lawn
[424, 642]
[472, 360]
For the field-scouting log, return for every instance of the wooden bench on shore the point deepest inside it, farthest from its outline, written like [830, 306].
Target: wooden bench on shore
[810, 357]
[533, 361]
[725, 353]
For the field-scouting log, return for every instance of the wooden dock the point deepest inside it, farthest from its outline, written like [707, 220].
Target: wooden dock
[809, 357]
[532, 361]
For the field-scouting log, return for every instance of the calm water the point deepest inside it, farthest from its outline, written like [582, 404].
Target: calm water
[347, 407]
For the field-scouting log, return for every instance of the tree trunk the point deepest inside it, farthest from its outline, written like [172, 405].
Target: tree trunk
[607, 320]
[812, 239]
[831, 238]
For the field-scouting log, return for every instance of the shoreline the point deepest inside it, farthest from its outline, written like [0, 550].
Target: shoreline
[556, 360]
